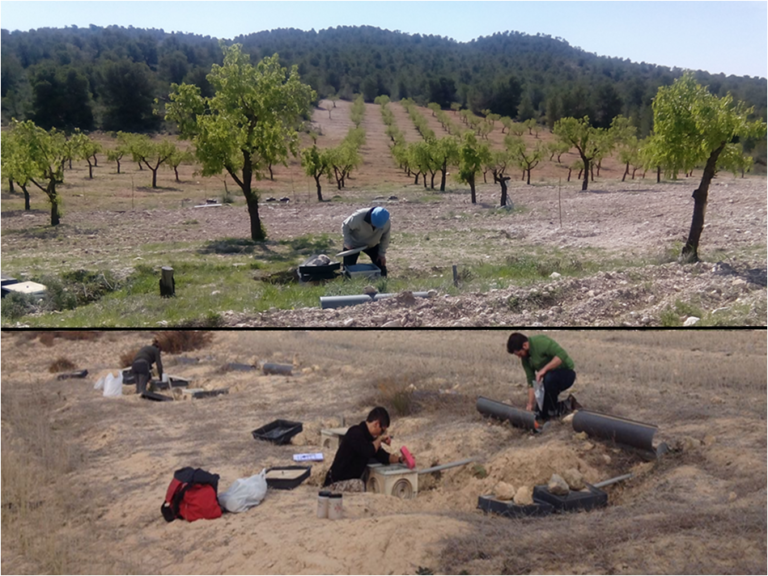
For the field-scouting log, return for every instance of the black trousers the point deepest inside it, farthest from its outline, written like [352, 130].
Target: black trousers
[140, 370]
[555, 382]
[373, 254]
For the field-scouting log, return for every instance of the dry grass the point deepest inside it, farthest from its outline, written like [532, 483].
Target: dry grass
[49, 337]
[178, 341]
[61, 364]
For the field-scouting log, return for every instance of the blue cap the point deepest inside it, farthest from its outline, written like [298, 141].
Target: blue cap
[379, 216]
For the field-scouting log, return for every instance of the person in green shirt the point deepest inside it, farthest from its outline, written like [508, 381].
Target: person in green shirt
[545, 363]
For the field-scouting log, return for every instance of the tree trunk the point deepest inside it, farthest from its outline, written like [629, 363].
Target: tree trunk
[271, 175]
[26, 197]
[658, 174]
[626, 171]
[95, 161]
[569, 174]
[51, 191]
[472, 188]
[10, 185]
[599, 165]
[154, 178]
[118, 166]
[432, 181]
[417, 178]
[319, 188]
[592, 171]
[690, 252]
[585, 183]
[503, 183]
[90, 169]
[528, 181]
[257, 233]
[633, 173]
[176, 172]
[444, 170]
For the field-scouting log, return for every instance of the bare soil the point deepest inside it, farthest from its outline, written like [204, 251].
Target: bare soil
[84, 475]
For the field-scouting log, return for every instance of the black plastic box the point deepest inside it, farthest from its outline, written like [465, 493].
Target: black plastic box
[512, 510]
[155, 396]
[280, 484]
[278, 432]
[210, 393]
[576, 500]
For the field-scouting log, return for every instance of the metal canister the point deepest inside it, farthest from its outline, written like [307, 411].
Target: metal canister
[335, 506]
[322, 503]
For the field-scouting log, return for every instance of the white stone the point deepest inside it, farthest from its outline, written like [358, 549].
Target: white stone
[558, 486]
[691, 320]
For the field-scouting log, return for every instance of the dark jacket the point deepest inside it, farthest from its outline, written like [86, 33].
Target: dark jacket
[355, 450]
[150, 355]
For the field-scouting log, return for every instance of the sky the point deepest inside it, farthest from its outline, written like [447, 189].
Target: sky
[719, 37]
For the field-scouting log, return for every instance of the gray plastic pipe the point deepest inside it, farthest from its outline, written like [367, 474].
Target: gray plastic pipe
[355, 299]
[518, 418]
[620, 430]
[270, 368]
[445, 466]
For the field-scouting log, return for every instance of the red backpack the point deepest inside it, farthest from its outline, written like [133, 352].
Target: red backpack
[192, 495]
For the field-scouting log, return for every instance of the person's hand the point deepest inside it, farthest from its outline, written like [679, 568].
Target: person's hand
[387, 440]
[529, 407]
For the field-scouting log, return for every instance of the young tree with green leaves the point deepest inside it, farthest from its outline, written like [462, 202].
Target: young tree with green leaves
[17, 164]
[315, 163]
[123, 148]
[588, 141]
[470, 162]
[152, 154]
[526, 159]
[255, 111]
[46, 153]
[179, 157]
[500, 163]
[693, 126]
[447, 154]
[84, 148]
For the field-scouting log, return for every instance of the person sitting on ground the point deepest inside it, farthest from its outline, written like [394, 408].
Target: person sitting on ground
[368, 228]
[361, 443]
[142, 365]
[545, 363]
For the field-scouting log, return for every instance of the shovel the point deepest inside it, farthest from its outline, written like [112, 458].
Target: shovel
[350, 252]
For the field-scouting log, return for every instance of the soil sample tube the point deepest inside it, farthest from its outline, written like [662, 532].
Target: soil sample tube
[335, 507]
[322, 503]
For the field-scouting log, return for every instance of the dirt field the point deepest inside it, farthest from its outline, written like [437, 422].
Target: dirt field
[631, 231]
[83, 476]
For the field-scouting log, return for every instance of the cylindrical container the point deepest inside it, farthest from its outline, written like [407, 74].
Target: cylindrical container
[335, 507]
[322, 503]
[271, 368]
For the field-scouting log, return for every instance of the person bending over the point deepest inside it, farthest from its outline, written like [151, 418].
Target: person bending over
[368, 228]
[142, 365]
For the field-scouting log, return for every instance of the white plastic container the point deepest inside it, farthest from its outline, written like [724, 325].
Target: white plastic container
[323, 498]
[370, 271]
[335, 507]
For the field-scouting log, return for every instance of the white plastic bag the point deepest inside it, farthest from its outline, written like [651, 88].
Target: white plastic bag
[99, 384]
[120, 379]
[244, 493]
[112, 386]
[538, 392]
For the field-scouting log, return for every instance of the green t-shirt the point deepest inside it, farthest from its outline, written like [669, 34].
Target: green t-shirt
[542, 350]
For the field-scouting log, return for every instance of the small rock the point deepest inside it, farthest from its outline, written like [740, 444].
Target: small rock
[606, 459]
[587, 446]
[554, 275]
[567, 419]
[285, 199]
[504, 491]
[709, 439]
[524, 496]
[557, 485]
[717, 400]
[393, 324]
[349, 322]
[580, 436]
[431, 293]
[574, 479]
[370, 290]
[215, 292]
[739, 282]
[732, 496]
[691, 320]
[686, 444]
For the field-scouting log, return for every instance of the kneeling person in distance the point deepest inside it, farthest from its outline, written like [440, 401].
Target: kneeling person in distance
[368, 228]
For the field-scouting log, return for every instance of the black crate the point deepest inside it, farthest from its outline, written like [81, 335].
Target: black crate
[512, 510]
[172, 383]
[128, 376]
[278, 432]
[281, 484]
[575, 500]
[155, 396]
[322, 272]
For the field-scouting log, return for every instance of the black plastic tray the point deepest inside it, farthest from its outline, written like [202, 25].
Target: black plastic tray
[279, 484]
[210, 393]
[576, 500]
[128, 376]
[155, 396]
[278, 432]
[512, 510]
[173, 383]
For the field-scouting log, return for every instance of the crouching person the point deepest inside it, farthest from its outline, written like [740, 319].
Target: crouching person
[361, 443]
[368, 228]
[142, 365]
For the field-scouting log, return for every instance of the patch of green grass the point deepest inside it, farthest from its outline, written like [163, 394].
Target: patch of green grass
[669, 318]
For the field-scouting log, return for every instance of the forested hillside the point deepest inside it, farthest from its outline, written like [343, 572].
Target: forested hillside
[108, 78]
